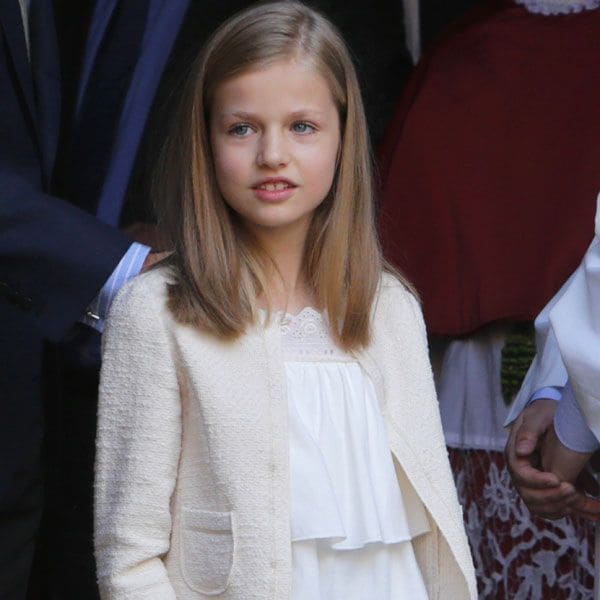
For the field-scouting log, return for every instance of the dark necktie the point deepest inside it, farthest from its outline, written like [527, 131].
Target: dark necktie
[94, 133]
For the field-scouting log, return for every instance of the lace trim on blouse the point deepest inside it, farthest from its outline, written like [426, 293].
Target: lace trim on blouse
[305, 337]
[558, 7]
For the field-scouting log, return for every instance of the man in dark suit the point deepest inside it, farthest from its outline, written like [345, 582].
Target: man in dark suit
[55, 257]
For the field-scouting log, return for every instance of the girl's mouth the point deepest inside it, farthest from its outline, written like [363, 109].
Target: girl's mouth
[274, 190]
[272, 187]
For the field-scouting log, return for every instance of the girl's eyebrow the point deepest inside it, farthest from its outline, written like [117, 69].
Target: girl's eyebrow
[238, 114]
[297, 114]
[309, 111]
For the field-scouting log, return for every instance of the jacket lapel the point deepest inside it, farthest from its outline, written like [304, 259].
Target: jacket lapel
[164, 23]
[100, 19]
[45, 70]
[12, 26]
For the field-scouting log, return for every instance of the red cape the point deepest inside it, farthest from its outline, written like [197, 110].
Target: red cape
[491, 166]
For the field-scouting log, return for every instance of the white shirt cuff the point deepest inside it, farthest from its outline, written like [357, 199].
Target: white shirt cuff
[570, 425]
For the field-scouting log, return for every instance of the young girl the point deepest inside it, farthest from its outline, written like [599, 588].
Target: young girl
[268, 427]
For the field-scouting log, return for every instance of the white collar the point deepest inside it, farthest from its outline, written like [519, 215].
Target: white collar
[558, 7]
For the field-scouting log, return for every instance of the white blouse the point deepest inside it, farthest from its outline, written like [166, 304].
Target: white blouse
[351, 525]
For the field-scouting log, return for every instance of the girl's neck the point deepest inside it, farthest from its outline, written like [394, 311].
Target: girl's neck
[288, 288]
[290, 300]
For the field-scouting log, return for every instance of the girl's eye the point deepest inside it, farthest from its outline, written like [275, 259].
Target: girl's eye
[303, 127]
[240, 130]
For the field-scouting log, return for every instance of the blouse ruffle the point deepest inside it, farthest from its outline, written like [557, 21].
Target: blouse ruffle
[344, 487]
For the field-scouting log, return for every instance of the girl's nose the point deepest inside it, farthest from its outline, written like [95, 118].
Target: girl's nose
[273, 151]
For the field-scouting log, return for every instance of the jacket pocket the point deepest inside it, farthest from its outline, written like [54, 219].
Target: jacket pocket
[206, 551]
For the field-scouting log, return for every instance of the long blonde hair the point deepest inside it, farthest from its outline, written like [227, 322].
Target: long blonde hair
[219, 270]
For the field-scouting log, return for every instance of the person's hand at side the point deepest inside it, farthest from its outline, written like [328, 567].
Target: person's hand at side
[569, 466]
[542, 491]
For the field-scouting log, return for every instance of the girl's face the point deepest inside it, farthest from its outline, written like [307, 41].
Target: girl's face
[275, 136]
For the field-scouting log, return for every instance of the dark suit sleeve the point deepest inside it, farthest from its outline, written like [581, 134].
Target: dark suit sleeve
[54, 257]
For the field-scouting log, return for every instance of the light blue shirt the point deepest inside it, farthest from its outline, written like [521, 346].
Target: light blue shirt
[569, 423]
[129, 266]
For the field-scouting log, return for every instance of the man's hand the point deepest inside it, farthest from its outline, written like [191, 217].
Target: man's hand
[569, 466]
[566, 464]
[587, 507]
[543, 492]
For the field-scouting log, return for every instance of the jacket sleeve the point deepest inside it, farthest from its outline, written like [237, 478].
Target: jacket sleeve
[137, 449]
[421, 451]
[575, 319]
[54, 257]
[548, 368]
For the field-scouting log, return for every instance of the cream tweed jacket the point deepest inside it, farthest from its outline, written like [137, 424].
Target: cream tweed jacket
[192, 477]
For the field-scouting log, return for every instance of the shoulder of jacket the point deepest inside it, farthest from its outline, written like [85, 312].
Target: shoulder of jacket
[388, 280]
[391, 286]
[397, 304]
[143, 297]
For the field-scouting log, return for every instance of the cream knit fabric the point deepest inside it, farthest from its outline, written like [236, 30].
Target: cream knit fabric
[192, 475]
